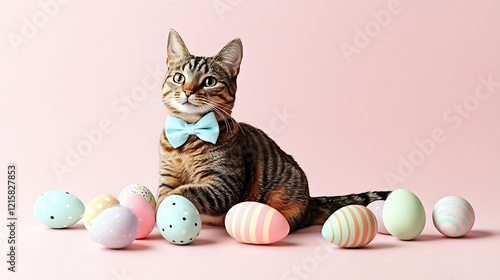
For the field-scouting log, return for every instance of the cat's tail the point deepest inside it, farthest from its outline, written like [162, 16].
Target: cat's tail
[320, 208]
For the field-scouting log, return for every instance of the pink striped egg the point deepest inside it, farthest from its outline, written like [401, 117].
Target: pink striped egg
[351, 226]
[453, 216]
[256, 223]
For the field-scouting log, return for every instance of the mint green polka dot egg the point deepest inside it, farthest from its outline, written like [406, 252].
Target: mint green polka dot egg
[58, 209]
[178, 220]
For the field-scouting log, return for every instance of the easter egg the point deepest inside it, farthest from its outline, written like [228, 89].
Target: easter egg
[178, 220]
[142, 209]
[96, 206]
[352, 226]
[404, 214]
[58, 209]
[139, 189]
[116, 227]
[377, 207]
[453, 216]
[256, 223]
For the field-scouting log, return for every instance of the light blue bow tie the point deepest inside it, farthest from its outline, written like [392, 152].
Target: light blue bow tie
[178, 131]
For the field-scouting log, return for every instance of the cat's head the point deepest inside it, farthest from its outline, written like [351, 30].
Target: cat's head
[196, 85]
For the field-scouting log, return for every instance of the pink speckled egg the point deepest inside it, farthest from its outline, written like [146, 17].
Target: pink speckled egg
[351, 226]
[453, 216]
[256, 223]
[139, 189]
[115, 227]
[142, 209]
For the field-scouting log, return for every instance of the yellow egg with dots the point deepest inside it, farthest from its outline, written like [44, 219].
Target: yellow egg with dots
[96, 206]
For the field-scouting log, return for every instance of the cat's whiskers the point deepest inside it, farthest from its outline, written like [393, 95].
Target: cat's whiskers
[222, 104]
[154, 107]
[217, 102]
[234, 122]
[229, 128]
[224, 107]
[218, 111]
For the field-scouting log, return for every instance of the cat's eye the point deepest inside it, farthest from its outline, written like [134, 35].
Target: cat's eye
[178, 78]
[209, 81]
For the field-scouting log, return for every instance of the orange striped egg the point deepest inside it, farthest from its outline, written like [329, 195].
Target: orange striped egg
[256, 223]
[350, 227]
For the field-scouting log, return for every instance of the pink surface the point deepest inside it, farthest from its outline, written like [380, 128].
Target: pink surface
[365, 95]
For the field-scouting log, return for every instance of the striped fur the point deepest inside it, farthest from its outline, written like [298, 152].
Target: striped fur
[245, 164]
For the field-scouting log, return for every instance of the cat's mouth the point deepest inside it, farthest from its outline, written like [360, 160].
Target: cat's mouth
[189, 108]
[188, 104]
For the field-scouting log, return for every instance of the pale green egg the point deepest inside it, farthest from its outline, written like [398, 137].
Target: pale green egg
[404, 214]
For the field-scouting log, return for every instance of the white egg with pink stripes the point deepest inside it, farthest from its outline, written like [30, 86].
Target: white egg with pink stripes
[453, 216]
[256, 223]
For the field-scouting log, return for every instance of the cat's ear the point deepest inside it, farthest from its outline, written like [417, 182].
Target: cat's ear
[231, 55]
[176, 49]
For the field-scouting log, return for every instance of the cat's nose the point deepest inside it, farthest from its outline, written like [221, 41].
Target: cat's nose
[188, 92]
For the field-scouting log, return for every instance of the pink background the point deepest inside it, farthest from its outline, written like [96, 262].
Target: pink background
[349, 119]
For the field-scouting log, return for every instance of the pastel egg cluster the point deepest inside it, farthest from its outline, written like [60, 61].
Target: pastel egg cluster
[352, 226]
[116, 223]
[401, 215]
[111, 222]
[453, 216]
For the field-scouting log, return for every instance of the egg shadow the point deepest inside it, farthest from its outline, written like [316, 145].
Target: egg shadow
[137, 247]
[477, 234]
[70, 228]
[153, 236]
[77, 227]
[308, 230]
[428, 237]
[371, 246]
[377, 246]
[131, 247]
[202, 242]
[280, 243]
[473, 234]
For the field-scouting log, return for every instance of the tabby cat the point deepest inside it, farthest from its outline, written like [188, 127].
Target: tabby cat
[243, 163]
